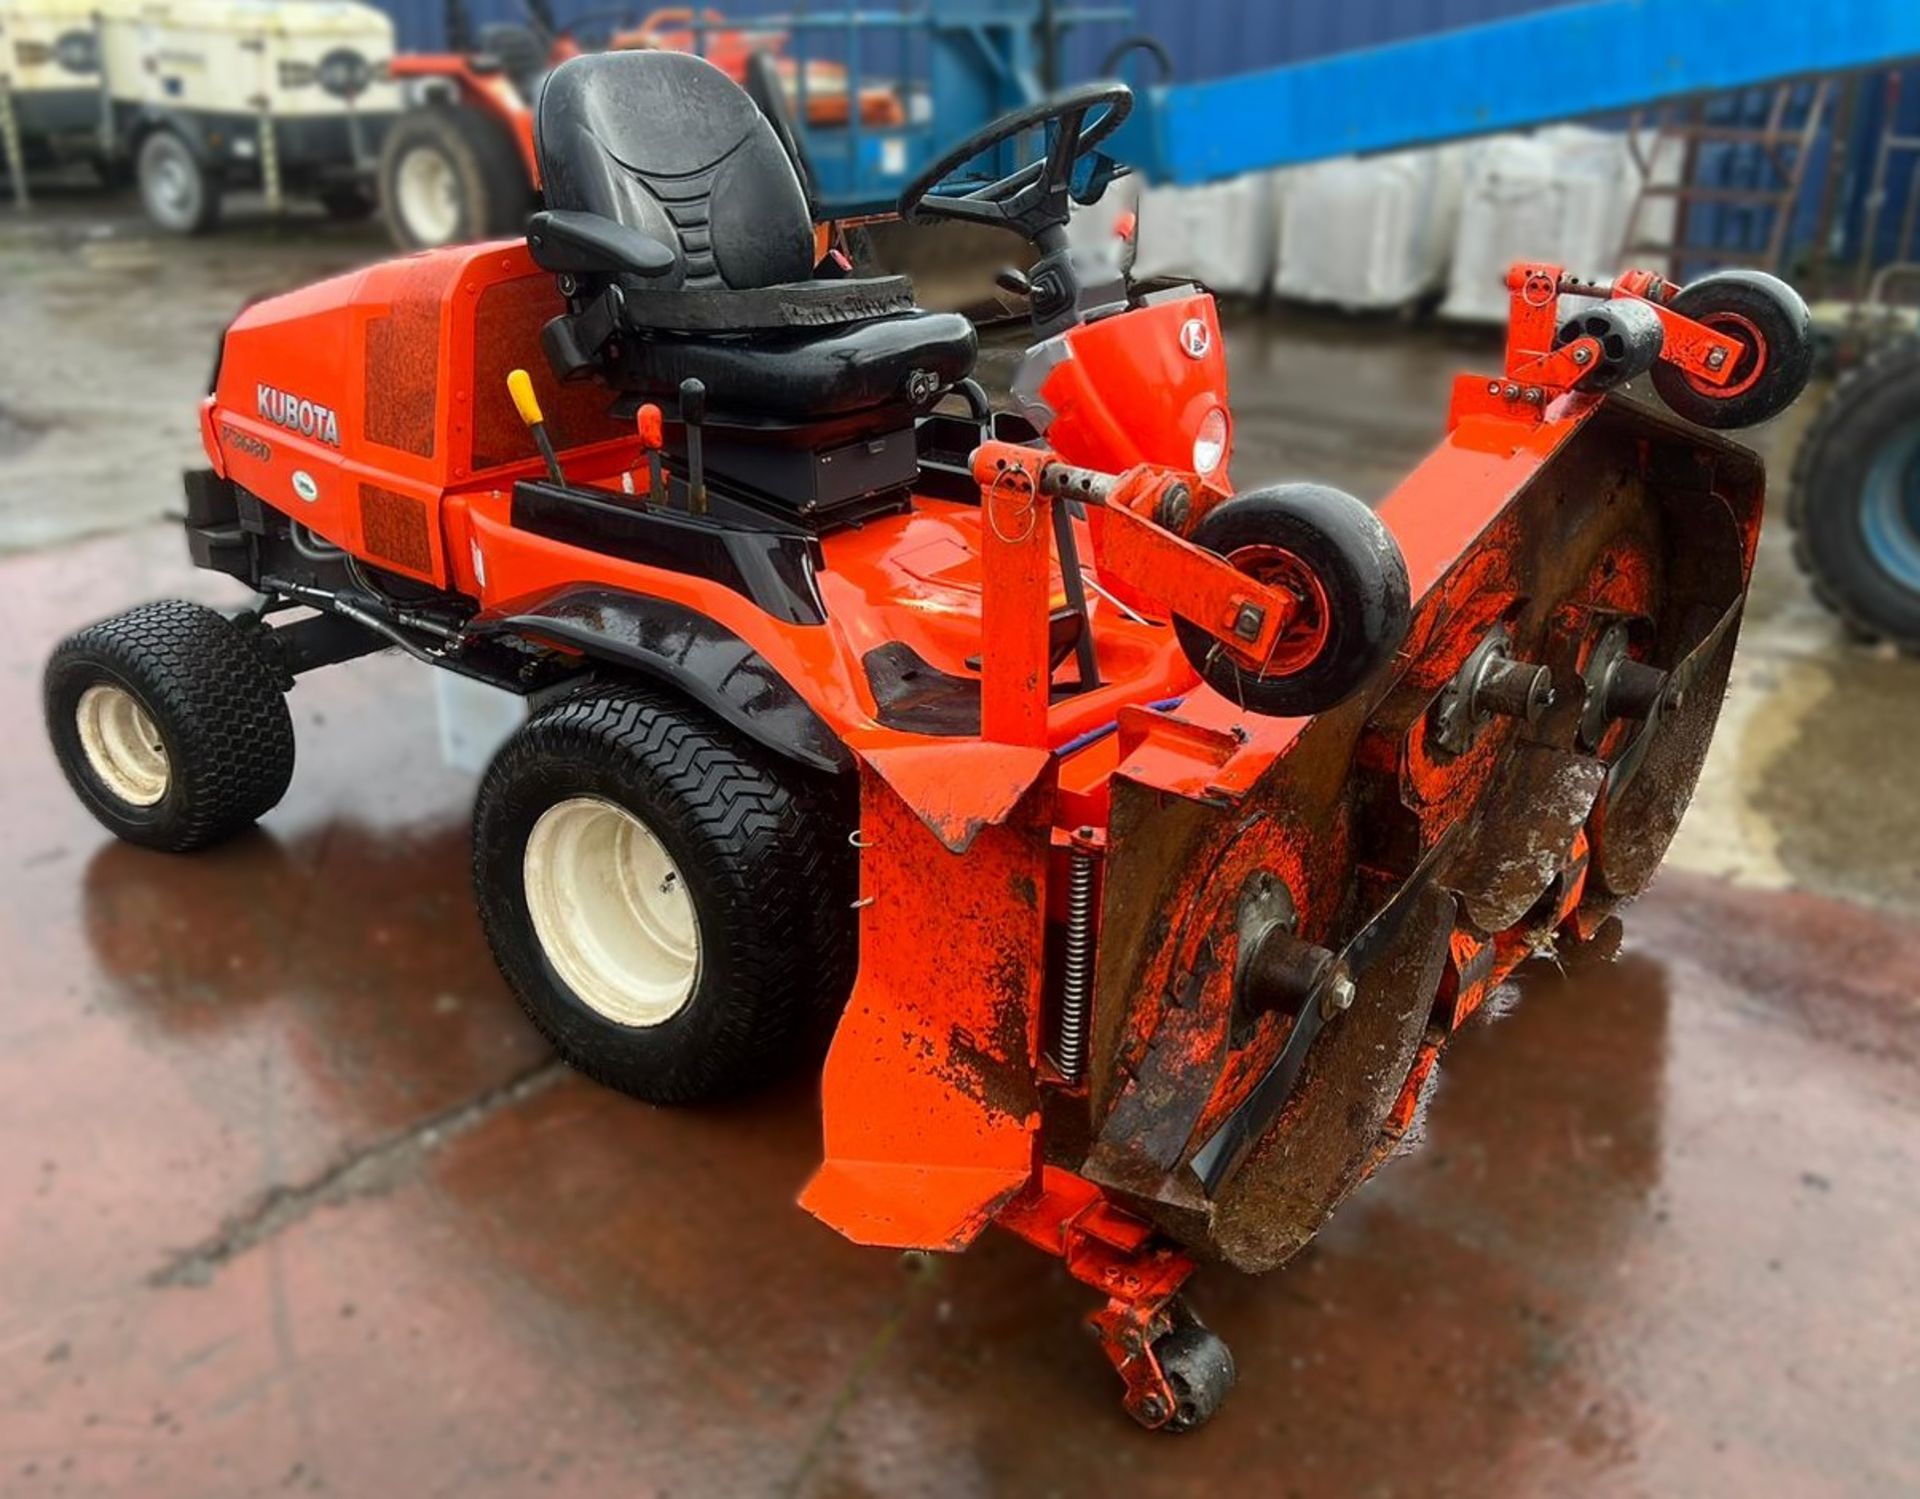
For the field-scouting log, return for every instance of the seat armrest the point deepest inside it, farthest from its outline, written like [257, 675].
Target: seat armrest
[591, 244]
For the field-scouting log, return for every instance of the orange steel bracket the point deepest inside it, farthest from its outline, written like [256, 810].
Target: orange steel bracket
[1015, 554]
[930, 1098]
[1108, 1248]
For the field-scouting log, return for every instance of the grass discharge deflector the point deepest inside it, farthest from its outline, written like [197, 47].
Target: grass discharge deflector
[1139, 842]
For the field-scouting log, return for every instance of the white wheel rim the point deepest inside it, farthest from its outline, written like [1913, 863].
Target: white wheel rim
[611, 911]
[122, 746]
[172, 185]
[428, 196]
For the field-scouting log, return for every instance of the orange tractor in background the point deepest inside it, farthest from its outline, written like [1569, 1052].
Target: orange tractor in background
[1139, 840]
[460, 165]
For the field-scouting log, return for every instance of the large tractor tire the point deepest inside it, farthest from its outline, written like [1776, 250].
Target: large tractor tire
[180, 193]
[1855, 498]
[170, 725]
[449, 175]
[672, 905]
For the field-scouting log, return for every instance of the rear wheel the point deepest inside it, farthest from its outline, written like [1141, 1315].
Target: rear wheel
[178, 190]
[1770, 322]
[673, 907]
[450, 174]
[169, 725]
[1855, 501]
[1333, 554]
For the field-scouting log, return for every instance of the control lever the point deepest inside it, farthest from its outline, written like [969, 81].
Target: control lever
[1012, 281]
[647, 421]
[520, 387]
[693, 411]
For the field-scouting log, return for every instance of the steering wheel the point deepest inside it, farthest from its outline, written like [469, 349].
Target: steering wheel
[1034, 198]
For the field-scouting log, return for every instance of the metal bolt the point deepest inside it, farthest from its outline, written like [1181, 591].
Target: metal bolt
[1152, 1409]
[1533, 395]
[1716, 358]
[1248, 622]
[1512, 392]
[1582, 356]
[1493, 387]
[1340, 994]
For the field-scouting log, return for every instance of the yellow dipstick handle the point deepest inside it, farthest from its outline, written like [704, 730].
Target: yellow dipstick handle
[520, 387]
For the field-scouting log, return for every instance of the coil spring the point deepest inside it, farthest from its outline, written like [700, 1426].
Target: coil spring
[1076, 978]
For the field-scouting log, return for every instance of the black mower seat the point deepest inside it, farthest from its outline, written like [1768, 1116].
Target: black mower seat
[665, 144]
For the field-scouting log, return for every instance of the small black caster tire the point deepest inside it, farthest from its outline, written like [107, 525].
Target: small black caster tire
[1629, 334]
[1199, 1366]
[1772, 324]
[722, 946]
[1337, 556]
[170, 725]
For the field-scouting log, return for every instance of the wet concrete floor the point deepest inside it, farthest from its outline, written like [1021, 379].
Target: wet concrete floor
[292, 1200]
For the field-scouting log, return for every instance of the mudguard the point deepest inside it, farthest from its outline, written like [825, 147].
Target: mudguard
[685, 650]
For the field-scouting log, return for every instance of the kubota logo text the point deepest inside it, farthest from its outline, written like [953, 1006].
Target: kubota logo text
[307, 418]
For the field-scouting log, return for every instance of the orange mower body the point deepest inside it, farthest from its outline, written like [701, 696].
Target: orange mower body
[1139, 841]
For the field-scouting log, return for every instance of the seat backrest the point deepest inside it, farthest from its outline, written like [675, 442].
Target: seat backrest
[667, 143]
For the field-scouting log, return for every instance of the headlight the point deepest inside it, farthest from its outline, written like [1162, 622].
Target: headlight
[1210, 442]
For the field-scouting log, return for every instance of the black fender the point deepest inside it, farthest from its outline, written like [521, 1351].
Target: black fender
[185, 123]
[683, 649]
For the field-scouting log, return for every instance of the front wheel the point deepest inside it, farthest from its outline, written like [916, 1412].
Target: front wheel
[169, 725]
[673, 907]
[1334, 555]
[178, 190]
[1770, 322]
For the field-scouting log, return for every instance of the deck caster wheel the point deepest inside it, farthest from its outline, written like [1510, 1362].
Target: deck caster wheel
[672, 906]
[1629, 335]
[169, 724]
[1775, 331]
[1199, 1369]
[1343, 564]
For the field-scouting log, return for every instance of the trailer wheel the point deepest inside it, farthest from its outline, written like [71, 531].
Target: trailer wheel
[673, 907]
[1775, 331]
[169, 725]
[1343, 564]
[179, 192]
[1855, 499]
[450, 174]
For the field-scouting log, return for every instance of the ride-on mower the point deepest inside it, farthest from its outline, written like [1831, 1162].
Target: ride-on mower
[1141, 841]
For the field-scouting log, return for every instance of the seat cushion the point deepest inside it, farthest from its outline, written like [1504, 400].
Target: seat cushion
[799, 304]
[803, 376]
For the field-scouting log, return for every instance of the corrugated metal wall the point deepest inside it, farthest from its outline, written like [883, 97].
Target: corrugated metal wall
[1215, 38]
